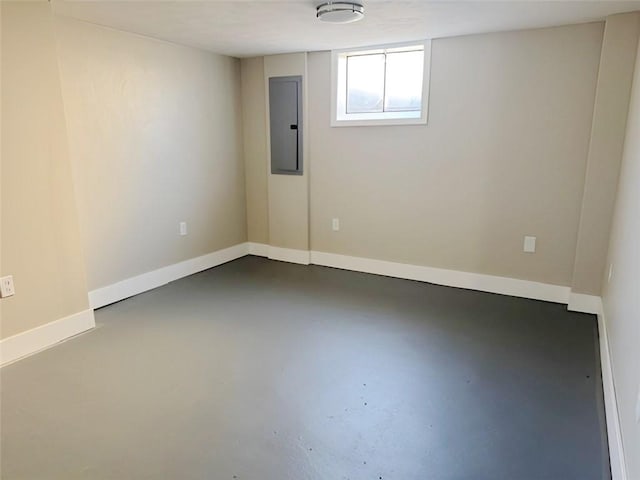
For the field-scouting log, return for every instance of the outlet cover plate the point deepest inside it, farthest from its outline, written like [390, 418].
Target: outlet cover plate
[529, 244]
[6, 286]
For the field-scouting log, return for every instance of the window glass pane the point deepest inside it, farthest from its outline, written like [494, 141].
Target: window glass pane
[365, 83]
[404, 81]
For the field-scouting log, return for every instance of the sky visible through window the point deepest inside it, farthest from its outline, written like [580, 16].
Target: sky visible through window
[385, 82]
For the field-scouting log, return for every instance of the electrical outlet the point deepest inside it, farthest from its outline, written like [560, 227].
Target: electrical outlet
[335, 224]
[6, 286]
[529, 244]
[183, 228]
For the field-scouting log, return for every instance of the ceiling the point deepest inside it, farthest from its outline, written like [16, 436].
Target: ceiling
[244, 28]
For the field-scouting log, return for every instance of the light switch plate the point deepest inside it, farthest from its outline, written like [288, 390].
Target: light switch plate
[335, 224]
[6, 286]
[529, 244]
[183, 228]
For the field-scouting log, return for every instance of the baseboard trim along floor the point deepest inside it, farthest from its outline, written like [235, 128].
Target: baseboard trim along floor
[302, 257]
[32, 341]
[26, 343]
[156, 278]
[47, 335]
[451, 278]
[614, 434]
[439, 276]
[579, 302]
[356, 358]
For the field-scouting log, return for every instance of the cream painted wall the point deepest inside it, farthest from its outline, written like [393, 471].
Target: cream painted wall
[41, 244]
[503, 156]
[288, 195]
[155, 139]
[605, 150]
[255, 148]
[621, 296]
[1, 55]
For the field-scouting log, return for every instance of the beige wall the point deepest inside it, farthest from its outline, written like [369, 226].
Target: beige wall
[155, 139]
[1, 115]
[41, 244]
[288, 195]
[621, 296]
[255, 148]
[605, 150]
[503, 156]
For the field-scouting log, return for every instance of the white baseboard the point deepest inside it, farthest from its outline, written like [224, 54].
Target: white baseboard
[26, 343]
[614, 434]
[580, 302]
[31, 341]
[258, 249]
[289, 255]
[450, 278]
[156, 278]
[278, 253]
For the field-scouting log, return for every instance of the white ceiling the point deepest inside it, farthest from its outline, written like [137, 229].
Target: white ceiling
[244, 28]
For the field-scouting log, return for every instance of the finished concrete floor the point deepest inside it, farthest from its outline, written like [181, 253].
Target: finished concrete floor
[261, 370]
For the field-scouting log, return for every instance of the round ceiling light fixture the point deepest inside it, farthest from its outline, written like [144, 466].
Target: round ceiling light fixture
[340, 12]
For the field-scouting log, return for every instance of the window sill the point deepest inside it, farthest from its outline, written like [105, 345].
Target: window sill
[378, 122]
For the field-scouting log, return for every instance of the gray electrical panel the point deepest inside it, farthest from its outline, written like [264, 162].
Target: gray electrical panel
[285, 121]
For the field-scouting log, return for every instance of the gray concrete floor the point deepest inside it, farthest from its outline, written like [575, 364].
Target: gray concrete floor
[265, 370]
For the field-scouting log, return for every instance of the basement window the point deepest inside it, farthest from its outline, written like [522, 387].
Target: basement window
[387, 85]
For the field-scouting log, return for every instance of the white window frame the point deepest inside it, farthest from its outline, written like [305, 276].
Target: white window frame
[339, 116]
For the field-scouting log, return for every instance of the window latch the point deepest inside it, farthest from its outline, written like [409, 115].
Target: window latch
[293, 127]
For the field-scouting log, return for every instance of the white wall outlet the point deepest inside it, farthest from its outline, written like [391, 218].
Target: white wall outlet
[610, 273]
[6, 286]
[529, 244]
[335, 224]
[183, 228]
